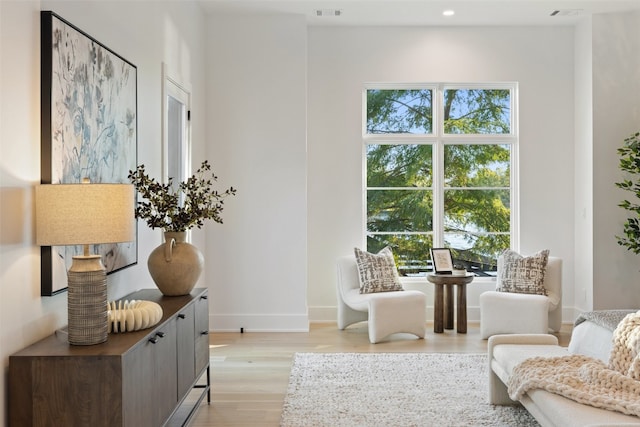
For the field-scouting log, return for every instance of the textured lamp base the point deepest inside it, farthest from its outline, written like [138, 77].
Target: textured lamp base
[87, 301]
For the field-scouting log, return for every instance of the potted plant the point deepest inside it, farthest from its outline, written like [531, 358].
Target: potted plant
[630, 164]
[459, 269]
[176, 265]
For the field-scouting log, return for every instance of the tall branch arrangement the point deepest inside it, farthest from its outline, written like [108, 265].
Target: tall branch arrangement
[630, 164]
[194, 201]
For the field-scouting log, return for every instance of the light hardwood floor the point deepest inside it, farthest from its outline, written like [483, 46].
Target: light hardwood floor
[250, 371]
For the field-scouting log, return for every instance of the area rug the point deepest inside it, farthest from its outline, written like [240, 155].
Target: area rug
[394, 389]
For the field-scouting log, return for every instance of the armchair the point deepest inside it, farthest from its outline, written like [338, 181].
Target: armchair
[386, 312]
[514, 313]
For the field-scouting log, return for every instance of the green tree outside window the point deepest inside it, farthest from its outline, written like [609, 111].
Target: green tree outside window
[475, 182]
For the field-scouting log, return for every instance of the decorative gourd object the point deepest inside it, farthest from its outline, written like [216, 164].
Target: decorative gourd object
[176, 265]
[127, 316]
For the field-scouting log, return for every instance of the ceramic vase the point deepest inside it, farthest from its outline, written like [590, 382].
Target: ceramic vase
[176, 265]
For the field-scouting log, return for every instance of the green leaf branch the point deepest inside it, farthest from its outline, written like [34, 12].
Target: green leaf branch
[630, 164]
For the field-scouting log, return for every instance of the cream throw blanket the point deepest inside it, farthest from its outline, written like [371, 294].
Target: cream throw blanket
[587, 380]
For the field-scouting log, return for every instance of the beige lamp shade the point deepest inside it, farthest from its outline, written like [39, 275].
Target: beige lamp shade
[84, 214]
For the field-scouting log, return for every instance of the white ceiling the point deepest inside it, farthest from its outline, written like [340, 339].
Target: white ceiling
[427, 12]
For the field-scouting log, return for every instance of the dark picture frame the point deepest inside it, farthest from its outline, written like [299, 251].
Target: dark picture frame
[442, 260]
[88, 130]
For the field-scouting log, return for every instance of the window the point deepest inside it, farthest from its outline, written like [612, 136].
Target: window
[440, 167]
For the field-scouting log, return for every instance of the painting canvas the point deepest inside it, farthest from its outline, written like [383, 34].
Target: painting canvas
[89, 130]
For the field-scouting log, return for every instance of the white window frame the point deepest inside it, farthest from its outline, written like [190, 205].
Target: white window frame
[437, 139]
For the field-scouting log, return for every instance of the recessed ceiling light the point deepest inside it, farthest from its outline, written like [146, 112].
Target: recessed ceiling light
[328, 12]
[448, 13]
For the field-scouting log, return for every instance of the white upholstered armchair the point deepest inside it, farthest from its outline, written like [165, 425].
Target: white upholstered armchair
[516, 313]
[386, 312]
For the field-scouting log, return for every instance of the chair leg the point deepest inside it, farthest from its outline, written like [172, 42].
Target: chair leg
[498, 394]
[348, 316]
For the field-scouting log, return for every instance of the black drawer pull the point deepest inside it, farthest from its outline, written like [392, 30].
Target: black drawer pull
[204, 333]
[160, 334]
[153, 340]
[204, 297]
[181, 316]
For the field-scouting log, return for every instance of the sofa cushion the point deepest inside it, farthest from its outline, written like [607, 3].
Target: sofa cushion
[377, 272]
[522, 274]
[510, 355]
[591, 339]
[555, 410]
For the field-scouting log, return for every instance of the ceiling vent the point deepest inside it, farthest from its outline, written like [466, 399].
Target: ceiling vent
[328, 12]
[566, 12]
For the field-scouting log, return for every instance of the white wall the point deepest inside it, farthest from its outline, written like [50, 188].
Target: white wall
[607, 103]
[616, 115]
[583, 162]
[341, 60]
[257, 260]
[168, 32]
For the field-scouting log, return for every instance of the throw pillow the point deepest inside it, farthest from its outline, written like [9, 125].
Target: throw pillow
[524, 275]
[377, 272]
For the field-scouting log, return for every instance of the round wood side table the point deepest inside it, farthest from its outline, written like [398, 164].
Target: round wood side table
[443, 301]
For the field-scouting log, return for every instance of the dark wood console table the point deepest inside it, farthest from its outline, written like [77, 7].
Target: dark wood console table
[134, 379]
[443, 301]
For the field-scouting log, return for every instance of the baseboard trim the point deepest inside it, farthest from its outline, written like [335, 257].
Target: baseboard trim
[322, 314]
[319, 314]
[259, 322]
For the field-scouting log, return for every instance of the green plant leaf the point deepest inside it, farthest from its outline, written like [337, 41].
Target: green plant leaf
[629, 163]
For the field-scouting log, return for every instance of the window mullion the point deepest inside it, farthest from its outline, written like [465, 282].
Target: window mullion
[514, 219]
[438, 168]
[438, 195]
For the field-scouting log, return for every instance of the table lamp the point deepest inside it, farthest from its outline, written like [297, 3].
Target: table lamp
[85, 214]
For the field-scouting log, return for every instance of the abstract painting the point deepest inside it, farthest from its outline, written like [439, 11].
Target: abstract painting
[89, 130]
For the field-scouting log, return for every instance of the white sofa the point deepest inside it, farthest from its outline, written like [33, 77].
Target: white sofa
[507, 351]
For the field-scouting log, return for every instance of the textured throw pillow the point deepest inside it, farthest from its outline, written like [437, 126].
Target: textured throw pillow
[377, 272]
[523, 275]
